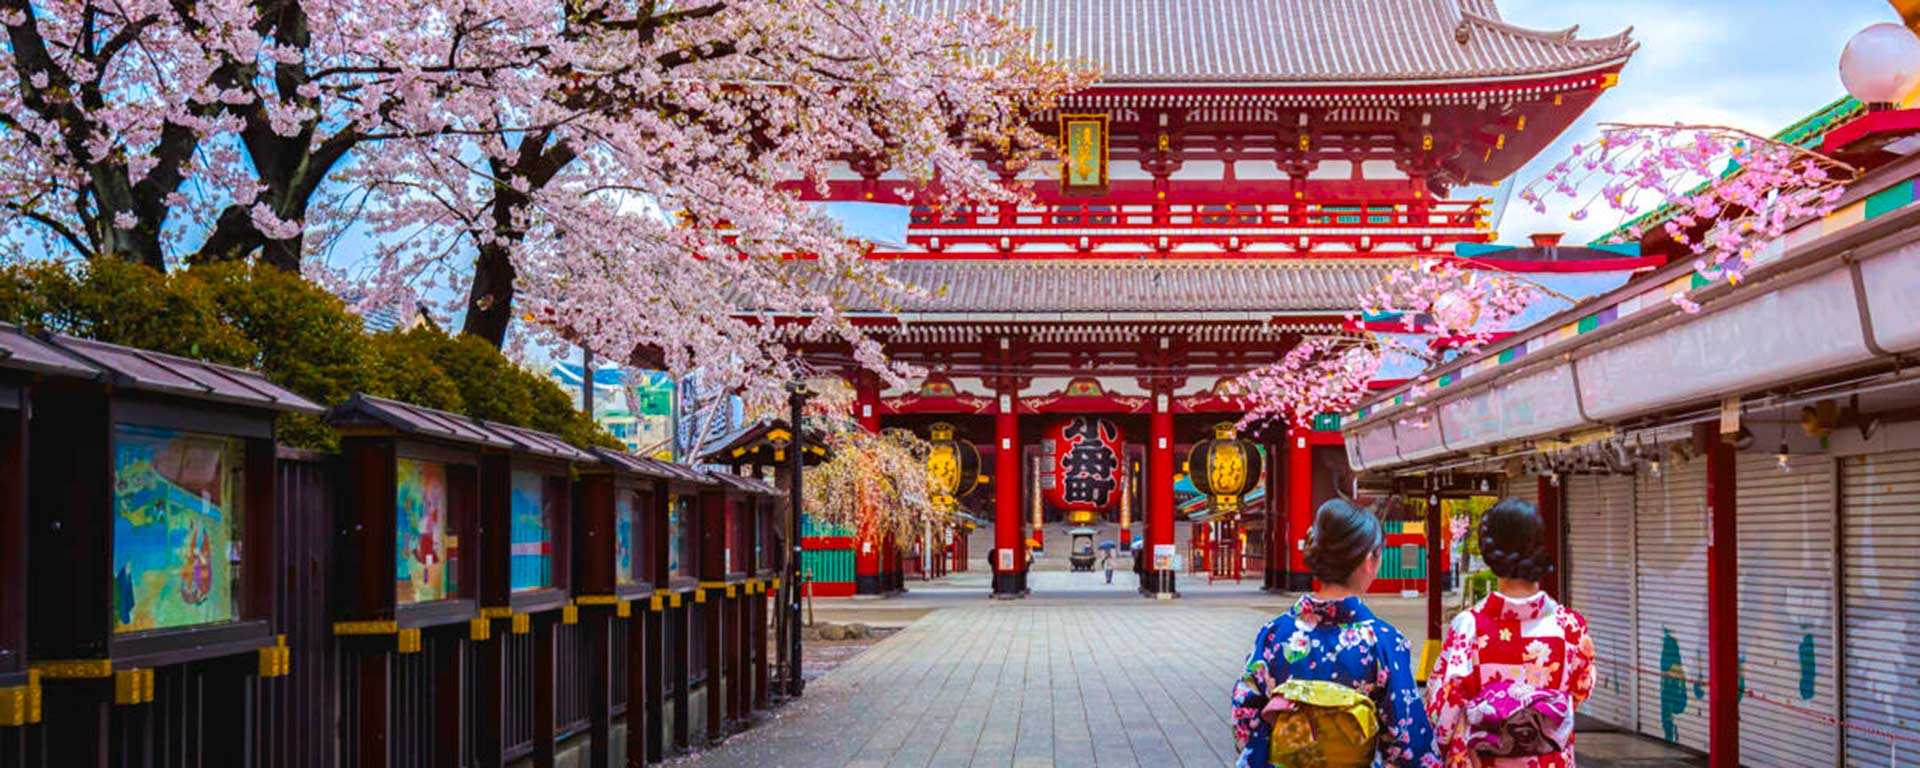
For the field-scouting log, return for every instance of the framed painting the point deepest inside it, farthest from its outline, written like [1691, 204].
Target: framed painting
[177, 528]
[426, 549]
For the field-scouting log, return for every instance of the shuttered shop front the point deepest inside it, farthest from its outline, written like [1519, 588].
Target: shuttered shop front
[1786, 610]
[1670, 600]
[1599, 564]
[1881, 592]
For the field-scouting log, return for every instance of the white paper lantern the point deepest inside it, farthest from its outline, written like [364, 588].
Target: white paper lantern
[1881, 64]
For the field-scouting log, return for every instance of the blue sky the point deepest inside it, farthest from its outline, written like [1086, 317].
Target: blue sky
[1755, 65]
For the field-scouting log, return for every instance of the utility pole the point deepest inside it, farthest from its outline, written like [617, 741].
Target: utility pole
[796, 462]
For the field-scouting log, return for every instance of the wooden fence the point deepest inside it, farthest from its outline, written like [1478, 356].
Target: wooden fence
[683, 665]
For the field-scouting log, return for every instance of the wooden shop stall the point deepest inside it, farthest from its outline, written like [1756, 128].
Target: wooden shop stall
[681, 633]
[408, 557]
[752, 506]
[526, 491]
[24, 360]
[150, 583]
[618, 557]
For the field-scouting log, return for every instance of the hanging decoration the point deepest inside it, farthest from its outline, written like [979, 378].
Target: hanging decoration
[1083, 160]
[1083, 453]
[1224, 467]
[953, 467]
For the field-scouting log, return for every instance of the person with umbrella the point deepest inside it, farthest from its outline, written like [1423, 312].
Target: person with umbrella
[1106, 557]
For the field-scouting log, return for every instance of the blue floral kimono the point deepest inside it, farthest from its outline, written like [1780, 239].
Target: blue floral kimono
[1339, 641]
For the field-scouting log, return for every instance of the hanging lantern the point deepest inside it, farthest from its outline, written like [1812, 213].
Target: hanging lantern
[1455, 311]
[1224, 468]
[953, 467]
[1881, 64]
[1083, 454]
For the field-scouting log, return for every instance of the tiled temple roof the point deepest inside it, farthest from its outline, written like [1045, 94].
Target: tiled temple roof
[1279, 42]
[1132, 285]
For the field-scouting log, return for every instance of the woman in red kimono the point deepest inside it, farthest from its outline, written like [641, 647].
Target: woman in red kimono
[1512, 670]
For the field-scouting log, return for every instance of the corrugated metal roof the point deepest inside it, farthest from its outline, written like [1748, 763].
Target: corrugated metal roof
[650, 467]
[1127, 285]
[1297, 41]
[540, 443]
[413, 419]
[752, 485]
[141, 370]
[20, 350]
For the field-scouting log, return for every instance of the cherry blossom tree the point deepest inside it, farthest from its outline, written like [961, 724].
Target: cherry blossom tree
[875, 483]
[1443, 306]
[1724, 193]
[626, 174]
[163, 131]
[654, 209]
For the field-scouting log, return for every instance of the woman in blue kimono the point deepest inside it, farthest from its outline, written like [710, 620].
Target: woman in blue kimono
[1330, 635]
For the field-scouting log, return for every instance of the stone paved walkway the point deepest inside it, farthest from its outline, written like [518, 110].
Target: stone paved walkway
[1025, 685]
[1079, 674]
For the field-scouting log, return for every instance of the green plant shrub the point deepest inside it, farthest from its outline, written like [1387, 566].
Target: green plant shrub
[296, 333]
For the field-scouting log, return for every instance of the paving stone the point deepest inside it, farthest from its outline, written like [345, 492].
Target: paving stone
[1104, 683]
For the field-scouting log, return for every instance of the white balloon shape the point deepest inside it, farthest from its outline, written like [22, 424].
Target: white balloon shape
[1881, 63]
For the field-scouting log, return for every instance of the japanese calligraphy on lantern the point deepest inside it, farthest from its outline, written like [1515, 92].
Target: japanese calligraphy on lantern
[1085, 464]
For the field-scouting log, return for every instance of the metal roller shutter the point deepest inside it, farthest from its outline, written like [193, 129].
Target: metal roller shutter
[1881, 593]
[1786, 609]
[1599, 564]
[1670, 601]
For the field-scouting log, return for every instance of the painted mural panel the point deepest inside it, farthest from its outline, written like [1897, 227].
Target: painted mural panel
[425, 550]
[530, 562]
[677, 506]
[177, 521]
[623, 525]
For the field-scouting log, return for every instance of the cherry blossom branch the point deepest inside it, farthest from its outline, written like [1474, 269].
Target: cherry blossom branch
[1725, 193]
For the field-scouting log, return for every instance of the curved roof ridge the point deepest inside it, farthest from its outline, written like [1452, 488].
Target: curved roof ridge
[1568, 36]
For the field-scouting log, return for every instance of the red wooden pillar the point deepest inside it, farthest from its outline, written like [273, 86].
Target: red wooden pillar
[715, 643]
[1548, 491]
[1278, 532]
[762, 666]
[544, 678]
[1299, 489]
[1436, 572]
[643, 706]
[1009, 548]
[1160, 470]
[1723, 606]
[869, 560]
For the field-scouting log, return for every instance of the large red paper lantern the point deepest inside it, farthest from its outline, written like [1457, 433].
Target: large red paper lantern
[1084, 459]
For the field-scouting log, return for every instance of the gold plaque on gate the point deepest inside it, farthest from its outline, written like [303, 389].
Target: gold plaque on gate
[1083, 153]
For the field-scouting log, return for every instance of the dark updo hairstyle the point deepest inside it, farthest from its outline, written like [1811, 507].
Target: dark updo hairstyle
[1343, 536]
[1513, 541]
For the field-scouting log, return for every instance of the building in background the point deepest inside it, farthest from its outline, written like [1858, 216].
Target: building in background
[636, 407]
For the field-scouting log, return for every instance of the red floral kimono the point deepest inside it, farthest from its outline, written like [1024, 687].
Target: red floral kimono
[1525, 644]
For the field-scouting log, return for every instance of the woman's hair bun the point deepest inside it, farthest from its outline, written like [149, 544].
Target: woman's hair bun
[1513, 541]
[1342, 537]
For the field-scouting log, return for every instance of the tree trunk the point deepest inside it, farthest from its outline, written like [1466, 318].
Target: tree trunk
[490, 300]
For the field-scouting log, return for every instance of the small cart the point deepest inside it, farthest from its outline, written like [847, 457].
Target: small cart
[1080, 553]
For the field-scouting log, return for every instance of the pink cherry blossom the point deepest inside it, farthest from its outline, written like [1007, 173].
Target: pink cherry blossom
[1745, 190]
